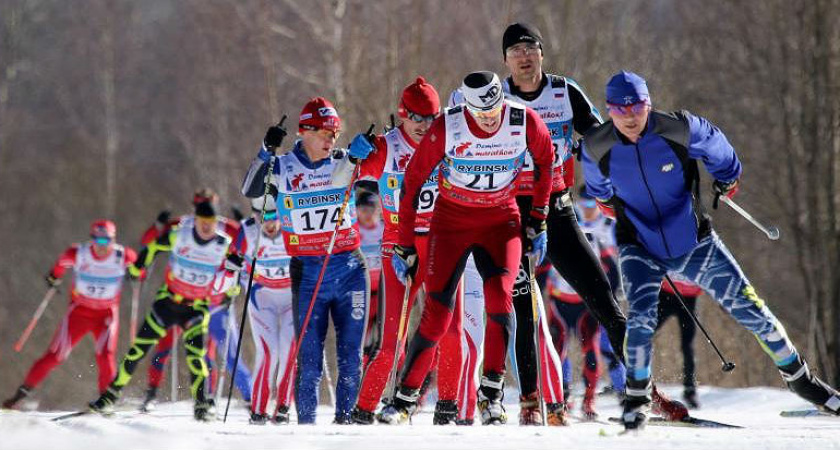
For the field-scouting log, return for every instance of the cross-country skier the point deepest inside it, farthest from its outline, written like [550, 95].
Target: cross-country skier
[270, 311]
[481, 147]
[199, 254]
[309, 205]
[642, 166]
[99, 267]
[219, 320]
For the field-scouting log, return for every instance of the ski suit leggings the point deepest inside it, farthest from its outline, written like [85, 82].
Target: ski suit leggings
[193, 317]
[711, 266]
[217, 333]
[273, 329]
[615, 366]
[492, 236]
[79, 321]
[568, 318]
[572, 256]
[669, 305]
[342, 296]
[391, 293]
[472, 342]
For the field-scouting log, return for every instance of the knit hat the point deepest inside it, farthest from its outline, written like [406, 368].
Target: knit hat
[482, 91]
[627, 88]
[103, 228]
[319, 114]
[205, 209]
[520, 32]
[419, 97]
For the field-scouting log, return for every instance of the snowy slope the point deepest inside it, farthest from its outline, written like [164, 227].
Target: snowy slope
[171, 426]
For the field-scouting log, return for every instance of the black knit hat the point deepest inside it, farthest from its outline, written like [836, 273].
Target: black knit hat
[205, 209]
[520, 32]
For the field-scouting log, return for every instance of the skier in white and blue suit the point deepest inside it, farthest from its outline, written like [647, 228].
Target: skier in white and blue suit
[642, 167]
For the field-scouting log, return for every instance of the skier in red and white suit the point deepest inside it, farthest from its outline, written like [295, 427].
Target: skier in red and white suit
[270, 311]
[480, 147]
[99, 267]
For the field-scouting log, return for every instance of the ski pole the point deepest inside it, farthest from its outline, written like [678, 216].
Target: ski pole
[345, 202]
[771, 231]
[173, 385]
[728, 366]
[255, 256]
[400, 330]
[535, 305]
[38, 312]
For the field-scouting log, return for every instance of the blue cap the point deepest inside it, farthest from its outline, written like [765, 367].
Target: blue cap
[626, 88]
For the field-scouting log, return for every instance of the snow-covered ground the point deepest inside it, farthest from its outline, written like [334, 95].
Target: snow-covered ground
[171, 426]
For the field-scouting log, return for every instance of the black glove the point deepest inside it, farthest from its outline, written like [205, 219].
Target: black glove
[727, 189]
[576, 148]
[52, 281]
[234, 262]
[163, 217]
[274, 137]
[237, 214]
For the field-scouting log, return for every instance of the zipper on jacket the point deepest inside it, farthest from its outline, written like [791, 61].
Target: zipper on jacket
[650, 194]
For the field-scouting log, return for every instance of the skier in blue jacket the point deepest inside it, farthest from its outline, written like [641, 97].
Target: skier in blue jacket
[642, 168]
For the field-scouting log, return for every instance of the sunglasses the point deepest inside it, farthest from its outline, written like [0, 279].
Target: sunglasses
[626, 110]
[588, 203]
[522, 50]
[486, 114]
[269, 216]
[419, 118]
[101, 240]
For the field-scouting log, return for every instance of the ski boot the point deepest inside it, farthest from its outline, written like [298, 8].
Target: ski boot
[342, 419]
[204, 410]
[150, 402]
[663, 406]
[690, 397]
[105, 403]
[445, 412]
[21, 393]
[282, 416]
[400, 409]
[529, 410]
[490, 395]
[636, 412]
[587, 409]
[258, 419]
[555, 415]
[362, 417]
[464, 422]
[802, 382]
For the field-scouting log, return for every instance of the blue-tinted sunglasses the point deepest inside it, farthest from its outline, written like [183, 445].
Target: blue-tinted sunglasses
[588, 203]
[101, 240]
[270, 215]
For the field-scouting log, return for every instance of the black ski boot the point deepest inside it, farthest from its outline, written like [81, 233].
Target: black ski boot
[803, 383]
[446, 411]
[690, 397]
[362, 417]
[258, 419]
[204, 410]
[490, 395]
[343, 419]
[105, 403]
[21, 393]
[401, 407]
[637, 404]
[150, 402]
[282, 416]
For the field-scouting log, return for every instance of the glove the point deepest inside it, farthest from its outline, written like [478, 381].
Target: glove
[361, 146]
[404, 262]
[576, 148]
[52, 281]
[163, 218]
[274, 137]
[134, 273]
[725, 188]
[606, 207]
[536, 241]
[234, 262]
[237, 214]
[231, 293]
